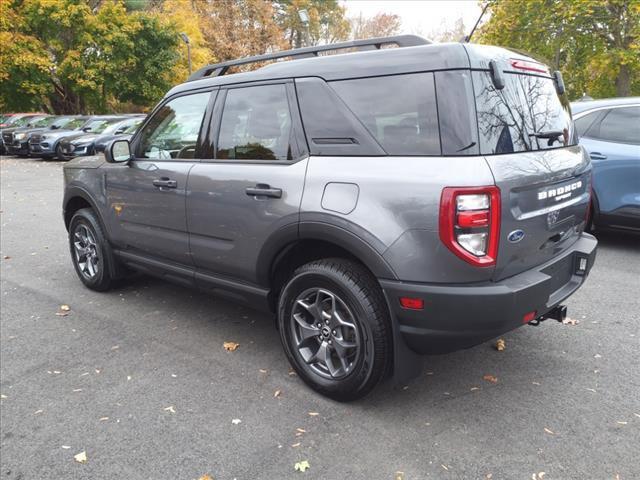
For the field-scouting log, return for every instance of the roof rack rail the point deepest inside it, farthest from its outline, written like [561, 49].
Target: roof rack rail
[219, 69]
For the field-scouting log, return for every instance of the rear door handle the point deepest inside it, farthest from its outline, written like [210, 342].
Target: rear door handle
[597, 156]
[165, 182]
[264, 190]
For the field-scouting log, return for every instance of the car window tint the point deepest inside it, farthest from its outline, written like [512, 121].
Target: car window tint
[399, 111]
[508, 119]
[173, 130]
[583, 123]
[620, 125]
[456, 112]
[256, 124]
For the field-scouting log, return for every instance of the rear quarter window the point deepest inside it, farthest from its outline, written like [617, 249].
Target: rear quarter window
[398, 111]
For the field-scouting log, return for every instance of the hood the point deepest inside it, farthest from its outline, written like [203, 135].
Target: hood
[90, 162]
[102, 140]
[57, 134]
[81, 139]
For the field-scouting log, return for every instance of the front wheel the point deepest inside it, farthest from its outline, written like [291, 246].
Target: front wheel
[90, 251]
[335, 328]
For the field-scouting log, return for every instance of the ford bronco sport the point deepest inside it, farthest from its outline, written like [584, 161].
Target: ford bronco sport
[383, 203]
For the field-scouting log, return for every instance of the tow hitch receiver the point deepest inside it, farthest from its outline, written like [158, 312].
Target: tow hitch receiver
[558, 313]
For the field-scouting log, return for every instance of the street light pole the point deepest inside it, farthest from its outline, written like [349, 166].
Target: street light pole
[185, 39]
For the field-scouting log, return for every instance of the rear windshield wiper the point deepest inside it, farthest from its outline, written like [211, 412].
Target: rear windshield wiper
[551, 135]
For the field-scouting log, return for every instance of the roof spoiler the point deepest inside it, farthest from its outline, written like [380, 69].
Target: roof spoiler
[219, 69]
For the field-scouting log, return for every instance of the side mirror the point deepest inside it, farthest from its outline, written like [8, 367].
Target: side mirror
[86, 129]
[54, 127]
[118, 151]
[496, 75]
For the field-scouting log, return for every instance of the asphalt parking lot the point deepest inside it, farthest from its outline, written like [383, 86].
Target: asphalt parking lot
[139, 380]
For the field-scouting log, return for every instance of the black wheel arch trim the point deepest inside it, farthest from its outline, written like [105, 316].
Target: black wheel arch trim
[323, 229]
[75, 191]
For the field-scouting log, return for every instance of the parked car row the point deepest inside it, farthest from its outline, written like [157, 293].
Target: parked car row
[63, 137]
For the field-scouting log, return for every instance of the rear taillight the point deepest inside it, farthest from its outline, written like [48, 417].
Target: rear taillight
[470, 223]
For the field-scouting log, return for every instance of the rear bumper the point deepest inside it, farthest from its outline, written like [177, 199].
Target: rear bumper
[461, 316]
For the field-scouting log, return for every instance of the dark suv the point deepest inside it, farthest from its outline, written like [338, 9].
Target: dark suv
[383, 204]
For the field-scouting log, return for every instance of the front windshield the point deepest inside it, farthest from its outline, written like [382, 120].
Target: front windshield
[75, 124]
[63, 122]
[22, 122]
[45, 122]
[112, 127]
[99, 126]
[132, 129]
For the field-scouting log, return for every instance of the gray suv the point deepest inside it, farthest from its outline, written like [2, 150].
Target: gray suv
[382, 204]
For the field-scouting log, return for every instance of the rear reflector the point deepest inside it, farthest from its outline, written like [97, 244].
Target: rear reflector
[411, 303]
[529, 316]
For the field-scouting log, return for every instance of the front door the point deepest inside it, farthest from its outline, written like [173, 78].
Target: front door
[252, 189]
[146, 197]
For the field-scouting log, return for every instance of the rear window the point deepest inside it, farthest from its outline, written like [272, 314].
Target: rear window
[399, 111]
[527, 114]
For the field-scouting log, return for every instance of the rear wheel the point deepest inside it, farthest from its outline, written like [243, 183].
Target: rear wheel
[335, 329]
[90, 251]
[59, 152]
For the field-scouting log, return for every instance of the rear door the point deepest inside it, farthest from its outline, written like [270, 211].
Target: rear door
[146, 197]
[250, 189]
[526, 135]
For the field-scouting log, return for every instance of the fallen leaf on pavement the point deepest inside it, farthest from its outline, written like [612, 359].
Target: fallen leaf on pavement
[549, 431]
[3, 396]
[621, 423]
[277, 393]
[501, 345]
[62, 314]
[570, 321]
[444, 466]
[295, 445]
[399, 476]
[292, 373]
[7, 257]
[301, 430]
[302, 466]
[104, 419]
[81, 457]
[473, 389]
[65, 308]
[37, 412]
[313, 414]
[262, 370]
[66, 447]
[206, 477]
[230, 346]
[170, 409]
[597, 355]
[236, 421]
[490, 378]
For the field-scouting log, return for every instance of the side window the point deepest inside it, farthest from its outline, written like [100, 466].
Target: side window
[173, 130]
[399, 111]
[255, 124]
[618, 126]
[583, 123]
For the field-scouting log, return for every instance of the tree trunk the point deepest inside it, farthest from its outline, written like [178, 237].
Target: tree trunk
[623, 82]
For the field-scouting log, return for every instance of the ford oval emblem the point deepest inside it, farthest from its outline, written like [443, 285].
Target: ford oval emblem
[515, 236]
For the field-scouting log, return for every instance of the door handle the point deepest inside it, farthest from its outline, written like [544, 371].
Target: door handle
[597, 156]
[165, 182]
[264, 190]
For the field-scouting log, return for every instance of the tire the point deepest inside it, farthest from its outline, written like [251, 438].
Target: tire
[58, 155]
[97, 267]
[345, 358]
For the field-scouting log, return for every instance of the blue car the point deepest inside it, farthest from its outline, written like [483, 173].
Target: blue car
[609, 130]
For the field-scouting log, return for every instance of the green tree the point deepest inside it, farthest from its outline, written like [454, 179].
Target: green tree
[596, 44]
[327, 21]
[69, 57]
